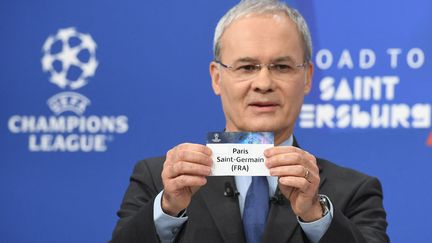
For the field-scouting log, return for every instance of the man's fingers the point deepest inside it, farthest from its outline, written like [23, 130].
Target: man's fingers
[193, 156]
[280, 150]
[288, 170]
[296, 182]
[284, 159]
[305, 159]
[186, 165]
[182, 181]
[188, 168]
[295, 171]
[196, 153]
[194, 147]
[296, 156]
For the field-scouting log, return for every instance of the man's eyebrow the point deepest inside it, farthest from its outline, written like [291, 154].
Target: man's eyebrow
[246, 60]
[283, 59]
[255, 60]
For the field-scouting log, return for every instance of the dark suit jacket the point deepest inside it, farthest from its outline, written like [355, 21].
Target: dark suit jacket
[358, 216]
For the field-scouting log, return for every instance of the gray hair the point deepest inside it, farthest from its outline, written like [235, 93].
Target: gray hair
[246, 7]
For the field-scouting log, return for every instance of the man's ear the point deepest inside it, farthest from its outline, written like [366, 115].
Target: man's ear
[215, 76]
[309, 75]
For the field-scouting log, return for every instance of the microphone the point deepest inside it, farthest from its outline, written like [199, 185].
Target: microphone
[278, 198]
[229, 191]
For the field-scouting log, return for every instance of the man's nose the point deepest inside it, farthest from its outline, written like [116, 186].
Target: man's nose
[263, 82]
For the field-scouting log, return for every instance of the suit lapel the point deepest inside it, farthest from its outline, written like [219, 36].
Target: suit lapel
[322, 176]
[224, 210]
[281, 223]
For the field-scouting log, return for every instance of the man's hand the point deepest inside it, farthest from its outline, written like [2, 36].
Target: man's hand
[184, 172]
[298, 179]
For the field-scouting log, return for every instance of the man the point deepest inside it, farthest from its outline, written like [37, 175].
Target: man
[261, 70]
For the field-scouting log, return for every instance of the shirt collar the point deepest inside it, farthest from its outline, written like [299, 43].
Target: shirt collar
[288, 142]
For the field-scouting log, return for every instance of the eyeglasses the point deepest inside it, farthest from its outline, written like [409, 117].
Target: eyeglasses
[281, 71]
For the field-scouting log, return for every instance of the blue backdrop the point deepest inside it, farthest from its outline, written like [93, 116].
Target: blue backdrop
[87, 88]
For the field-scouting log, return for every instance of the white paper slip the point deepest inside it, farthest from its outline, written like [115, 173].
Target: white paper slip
[239, 153]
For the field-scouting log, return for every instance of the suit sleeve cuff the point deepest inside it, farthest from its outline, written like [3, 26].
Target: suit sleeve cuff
[316, 229]
[166, 225]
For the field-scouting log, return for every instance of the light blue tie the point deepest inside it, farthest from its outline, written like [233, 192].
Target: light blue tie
[256, 209]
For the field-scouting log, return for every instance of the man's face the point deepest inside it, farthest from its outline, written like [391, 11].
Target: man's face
[263, 102]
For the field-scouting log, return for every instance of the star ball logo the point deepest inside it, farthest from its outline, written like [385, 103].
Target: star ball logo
[77, 50]
[69, 57]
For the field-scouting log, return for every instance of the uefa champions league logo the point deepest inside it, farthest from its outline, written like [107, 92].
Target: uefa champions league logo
[70, 59]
